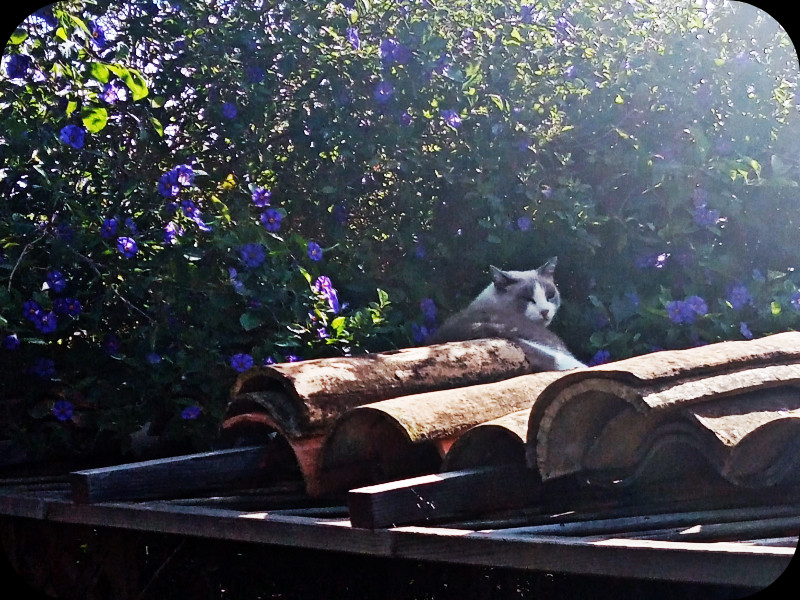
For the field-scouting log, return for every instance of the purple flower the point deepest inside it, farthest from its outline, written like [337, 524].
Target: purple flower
[601, 357]
[67, 306]
[109, 228]
[393, 51]
[252, 255]
[794, 301]
[113, 93]
[11, 342]
[261, 197]
[405, 119]
[63, 410]
[428, 308]
[324, 287]
[419, 333]
[314, 251]
[241, 362]
[229, 110]
[110, 343]
[171, 231]
[254, 74]
[44, 368]
[47, 323]
[705, 217]
[745, 331]
[55, 281]
[189, 209]
[452, 118]
[153, 358]
[292, 358]
[570, 72]
[524, 223]
[18, 66]
[98, 35]
[698, 305]
[271, 220]
[168, 184]
[191, 412]
[352, 37]
[184, 175]
[383, 92]
[32, 310]
[73, 135]
[322, 333]
[127, 246]
[527, 14]
[739, 296]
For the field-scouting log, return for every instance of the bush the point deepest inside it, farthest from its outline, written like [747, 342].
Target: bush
[193, 188]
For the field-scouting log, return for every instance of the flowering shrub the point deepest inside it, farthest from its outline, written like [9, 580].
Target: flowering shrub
[190, 189]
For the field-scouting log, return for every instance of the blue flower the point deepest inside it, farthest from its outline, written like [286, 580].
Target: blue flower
[428, 308]
[570, 72]
[67, 306]
[254, 74]
[314, 251]
[32, 311]
[63, 410]
[191, 412]
[261, 197]
[419, 333]
[98, 35]
[153, 358]
[73, 135]
[405, 118]
[127, 246]
[794, 301]
[292, 358]
[524, 223]
[739, 296]
[56, 281]
[745, 331]
[109, 228]
[705, 217]
[171, 233]
[324, 287]
[113, 93]
[698, 305]
[393, 51]
[18, 66]
[383, 92]
[252, 255]
[111, 343]
[352, 37]
[452, 118]
[184, 175]
[168, 184]
[601, 357]
[47, 322]
[229, 110]
[44, 368]
[241, 362]
[271, 220]
[11, 342]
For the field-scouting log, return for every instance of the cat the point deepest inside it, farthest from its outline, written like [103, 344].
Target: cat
[518, 306]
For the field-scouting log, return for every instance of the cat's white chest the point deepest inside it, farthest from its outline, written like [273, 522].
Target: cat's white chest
[563, 360]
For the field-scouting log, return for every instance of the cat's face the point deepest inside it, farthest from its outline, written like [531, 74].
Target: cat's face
[532, 293]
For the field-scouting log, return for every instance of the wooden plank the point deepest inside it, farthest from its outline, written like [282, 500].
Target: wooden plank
[434, 498]
[709, 563]
[167, 477]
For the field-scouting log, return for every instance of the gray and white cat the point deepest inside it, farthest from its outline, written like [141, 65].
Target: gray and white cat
[517, 305]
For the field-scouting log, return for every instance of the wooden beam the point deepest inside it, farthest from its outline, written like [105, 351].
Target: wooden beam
[433, 498]
[169, 477]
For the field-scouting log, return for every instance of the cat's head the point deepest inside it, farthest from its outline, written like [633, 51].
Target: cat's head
[532, 293]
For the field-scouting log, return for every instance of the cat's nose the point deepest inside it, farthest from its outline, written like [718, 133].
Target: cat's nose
[544, 313]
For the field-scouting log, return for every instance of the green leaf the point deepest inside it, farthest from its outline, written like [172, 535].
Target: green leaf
[19, 36]
[94, 118]
[158, 126]
[133, 79]
[98, 72]
[776, 308]
[249, 321]
[338, 324]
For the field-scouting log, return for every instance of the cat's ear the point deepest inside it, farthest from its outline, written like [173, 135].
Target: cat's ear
[549, 267]
[501, 279]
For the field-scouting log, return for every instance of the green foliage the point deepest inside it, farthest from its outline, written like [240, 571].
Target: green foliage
[226, 183]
